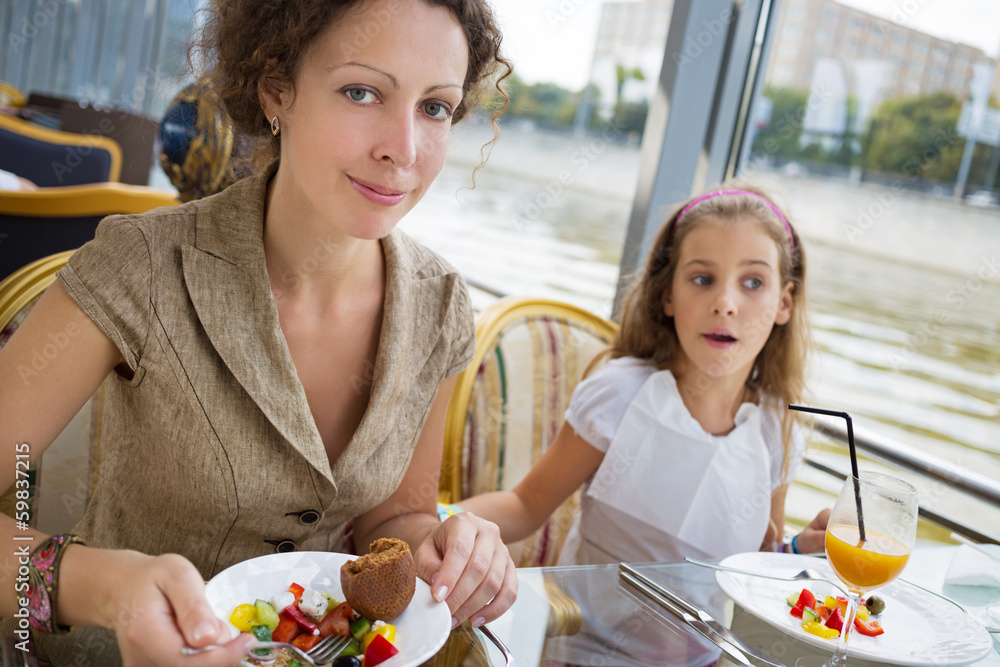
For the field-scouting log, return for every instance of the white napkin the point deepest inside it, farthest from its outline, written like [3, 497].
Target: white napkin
[975, 566]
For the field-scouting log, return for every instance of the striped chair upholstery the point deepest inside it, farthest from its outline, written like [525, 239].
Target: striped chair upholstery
[509, 403]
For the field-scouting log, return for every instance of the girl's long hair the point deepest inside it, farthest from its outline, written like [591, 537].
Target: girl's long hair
[646, 332]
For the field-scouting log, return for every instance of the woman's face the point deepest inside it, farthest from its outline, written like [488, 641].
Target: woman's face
[366, 130]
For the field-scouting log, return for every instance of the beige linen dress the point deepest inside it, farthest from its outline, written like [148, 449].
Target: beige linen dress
[209, 447]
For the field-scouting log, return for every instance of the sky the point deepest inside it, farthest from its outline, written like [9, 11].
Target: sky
[553, 40]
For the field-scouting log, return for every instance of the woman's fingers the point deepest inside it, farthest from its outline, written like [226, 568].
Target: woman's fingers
[498, 601]
[168, 611]
[473, 568]
[442, 557]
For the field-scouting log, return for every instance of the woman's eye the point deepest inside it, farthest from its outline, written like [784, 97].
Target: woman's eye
[702, 281]
[436, 110]
[753, 283]
[358, 94]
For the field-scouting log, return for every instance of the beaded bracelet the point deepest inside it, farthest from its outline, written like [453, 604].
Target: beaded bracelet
[445, 511]
[43, 578]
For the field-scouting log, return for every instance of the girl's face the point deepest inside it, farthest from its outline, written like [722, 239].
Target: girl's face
[726, 297]
[367, 129]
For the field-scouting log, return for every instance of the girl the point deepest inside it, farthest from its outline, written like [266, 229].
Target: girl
[682, 441]
[282, 358]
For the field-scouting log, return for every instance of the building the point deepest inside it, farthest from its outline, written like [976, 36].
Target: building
[632, 35]
[808, 32]
[912, 63]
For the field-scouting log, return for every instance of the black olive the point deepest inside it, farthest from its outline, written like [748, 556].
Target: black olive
[346, 661]
[875, 604]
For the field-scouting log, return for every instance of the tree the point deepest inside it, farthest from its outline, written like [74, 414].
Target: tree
[916, 136]
[622, 75]
[780, 136]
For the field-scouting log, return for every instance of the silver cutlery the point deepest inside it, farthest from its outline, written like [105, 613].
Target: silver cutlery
[805, 575]
[320, 654]
[510, 661]
[704, 617]
[696, 623]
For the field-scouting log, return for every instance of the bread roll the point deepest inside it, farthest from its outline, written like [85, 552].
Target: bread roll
[380, 585]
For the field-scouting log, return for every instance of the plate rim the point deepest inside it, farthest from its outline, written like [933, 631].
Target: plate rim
[801, 561]
[396, 661]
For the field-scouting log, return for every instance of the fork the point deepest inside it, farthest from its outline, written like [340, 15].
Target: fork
[510, 661]
[806, 574]
[320, 654]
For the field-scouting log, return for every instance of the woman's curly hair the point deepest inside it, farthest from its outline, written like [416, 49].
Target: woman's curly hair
[245, 42]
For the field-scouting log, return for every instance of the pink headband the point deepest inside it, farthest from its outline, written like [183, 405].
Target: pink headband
[694, 202]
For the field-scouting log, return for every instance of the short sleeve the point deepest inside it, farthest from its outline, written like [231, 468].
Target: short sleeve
[599, 402]
[771, 430]
[463, 342]
[110, 279]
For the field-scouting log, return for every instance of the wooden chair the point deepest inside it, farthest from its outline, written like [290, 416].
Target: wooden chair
[509, 403]
[52, 158]
[59, 496]
[39, 223]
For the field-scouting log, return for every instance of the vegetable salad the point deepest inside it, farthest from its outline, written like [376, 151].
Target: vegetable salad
[302, 617]
[826, 619]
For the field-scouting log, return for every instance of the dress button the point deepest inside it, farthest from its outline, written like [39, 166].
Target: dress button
[285, 546]
[309, 517]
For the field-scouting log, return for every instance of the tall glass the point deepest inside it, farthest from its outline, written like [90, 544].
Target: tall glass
[889, 513]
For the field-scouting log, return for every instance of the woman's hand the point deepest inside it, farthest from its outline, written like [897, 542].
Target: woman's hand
[157, 605]
[812, 539]
[468, 566]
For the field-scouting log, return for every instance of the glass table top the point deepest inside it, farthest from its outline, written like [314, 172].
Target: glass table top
[588, 616]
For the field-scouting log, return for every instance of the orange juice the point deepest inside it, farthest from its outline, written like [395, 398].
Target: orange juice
[863, 567]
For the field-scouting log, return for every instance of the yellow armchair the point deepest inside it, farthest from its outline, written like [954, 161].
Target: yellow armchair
[508, 405]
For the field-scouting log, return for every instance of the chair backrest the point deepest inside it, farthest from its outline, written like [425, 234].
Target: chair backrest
[35, 224]
[51, 158]
[61, 482]
[11, 95]
[508, 404]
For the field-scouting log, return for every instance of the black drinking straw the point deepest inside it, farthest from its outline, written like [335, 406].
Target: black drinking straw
[854, 457]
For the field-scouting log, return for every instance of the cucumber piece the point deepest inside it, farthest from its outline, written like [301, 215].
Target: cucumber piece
[263, 634]
[808, 615]
[266, 614]
[792, 599]
[353, 648]
[360, 627]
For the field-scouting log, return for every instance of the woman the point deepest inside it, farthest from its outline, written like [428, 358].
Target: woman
[282, 358]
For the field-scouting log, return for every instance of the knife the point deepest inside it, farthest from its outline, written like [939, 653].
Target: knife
[704, 617]
[697, 624]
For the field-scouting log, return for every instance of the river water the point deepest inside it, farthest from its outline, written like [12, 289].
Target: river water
[904, 288]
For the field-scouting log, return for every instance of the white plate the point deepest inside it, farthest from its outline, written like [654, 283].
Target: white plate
[421, 630]
[920, 629]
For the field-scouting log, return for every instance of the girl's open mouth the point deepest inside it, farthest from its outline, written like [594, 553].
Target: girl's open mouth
[719, 340]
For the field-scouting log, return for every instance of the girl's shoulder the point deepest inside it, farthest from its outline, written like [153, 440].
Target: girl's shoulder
[600, 401]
